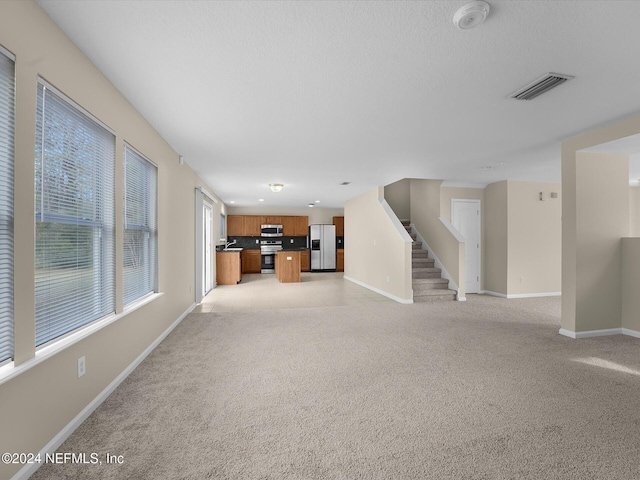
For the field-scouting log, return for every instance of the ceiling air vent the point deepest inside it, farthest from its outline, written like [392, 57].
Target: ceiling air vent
[540, 86]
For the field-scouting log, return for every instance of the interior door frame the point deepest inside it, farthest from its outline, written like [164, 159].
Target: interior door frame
[478, 203]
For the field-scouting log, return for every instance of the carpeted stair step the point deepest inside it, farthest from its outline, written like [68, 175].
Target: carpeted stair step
[423, 284]
[413, 235]
[427, 272]
[406, 223]
[419, 253]
[416, 245]
[422, 262]
[439, 295]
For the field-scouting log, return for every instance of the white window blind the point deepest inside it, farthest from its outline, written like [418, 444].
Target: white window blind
[7, 111]
[74, 183]
[140, 226]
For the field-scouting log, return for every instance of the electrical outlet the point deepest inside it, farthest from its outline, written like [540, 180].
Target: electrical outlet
[257, 240]
[387, 278]
[291, 240]
[82, 367]
[521, 279]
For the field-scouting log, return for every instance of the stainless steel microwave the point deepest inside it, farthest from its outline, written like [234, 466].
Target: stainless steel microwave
[271, 230]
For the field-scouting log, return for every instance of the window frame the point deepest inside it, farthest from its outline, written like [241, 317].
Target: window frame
[102, 224]
[150, 228]
[7, 329]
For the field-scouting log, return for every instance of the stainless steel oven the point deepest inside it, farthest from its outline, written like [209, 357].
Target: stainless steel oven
[268, 249]
[271, 230]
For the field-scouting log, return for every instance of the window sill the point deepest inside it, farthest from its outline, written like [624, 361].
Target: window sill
[9, 371]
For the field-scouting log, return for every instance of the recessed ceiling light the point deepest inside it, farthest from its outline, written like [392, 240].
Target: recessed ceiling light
[471, 15]
[232, 201]
[311, 205]
[275, 187]
[261, 199]
[317, 201]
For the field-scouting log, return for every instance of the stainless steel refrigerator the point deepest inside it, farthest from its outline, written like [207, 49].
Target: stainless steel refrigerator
[323, 247]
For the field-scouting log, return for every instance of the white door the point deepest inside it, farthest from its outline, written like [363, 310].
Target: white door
[465, 217]
[207, 270]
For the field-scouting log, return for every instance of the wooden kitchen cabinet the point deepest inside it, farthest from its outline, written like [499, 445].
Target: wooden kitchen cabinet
[251, 225]
[305, 261]
[340, 260]
[301, 226]
[288, 226]
[235, 226]
[271, 220]
[251, 261]
[339, 223]
[228, 268]
[243, 225]
[295, 226]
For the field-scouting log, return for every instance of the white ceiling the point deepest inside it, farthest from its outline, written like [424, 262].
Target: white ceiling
[314, 93]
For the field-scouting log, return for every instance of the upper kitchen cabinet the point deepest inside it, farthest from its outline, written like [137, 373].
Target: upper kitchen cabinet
[295, 226]
[252, 225]
[271, 220]
[339, 223]
[235, 226]
[243, 225]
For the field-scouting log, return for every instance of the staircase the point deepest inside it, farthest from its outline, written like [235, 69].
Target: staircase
[428, 284]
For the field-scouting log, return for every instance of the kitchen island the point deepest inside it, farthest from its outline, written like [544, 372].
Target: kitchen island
[287, 266]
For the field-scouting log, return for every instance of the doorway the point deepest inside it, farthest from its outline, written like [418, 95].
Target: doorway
[465, 217]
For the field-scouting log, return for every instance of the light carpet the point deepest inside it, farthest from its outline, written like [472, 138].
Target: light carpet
[483, 389]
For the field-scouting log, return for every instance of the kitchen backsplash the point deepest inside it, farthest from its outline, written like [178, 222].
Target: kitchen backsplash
[254, 242]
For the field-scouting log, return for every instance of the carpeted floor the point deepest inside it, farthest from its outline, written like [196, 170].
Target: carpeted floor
[483, 389]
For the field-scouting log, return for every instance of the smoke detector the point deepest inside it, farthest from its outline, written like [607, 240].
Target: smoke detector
[471, 15]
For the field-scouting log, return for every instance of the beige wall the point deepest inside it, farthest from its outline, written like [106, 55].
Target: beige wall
[378, 252]
[534, 232]
[595, 217]
[41, 400]
[630, 282]
[495, 221]
[634, 211]
[425, 213]
[602, 220]
[398, 197]
[316, 215]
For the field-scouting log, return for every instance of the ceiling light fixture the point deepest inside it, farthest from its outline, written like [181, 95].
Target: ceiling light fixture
[311, 205]
[471, 15]
[275, 187]
[261, 199]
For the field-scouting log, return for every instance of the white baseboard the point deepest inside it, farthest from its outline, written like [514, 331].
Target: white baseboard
[599, 333]
[25, 472]
[377, 290]
[493, 294]
[521, 295]
[535, 295]
[631, 333]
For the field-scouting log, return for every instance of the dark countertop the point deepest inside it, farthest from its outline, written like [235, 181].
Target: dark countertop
[295, 249]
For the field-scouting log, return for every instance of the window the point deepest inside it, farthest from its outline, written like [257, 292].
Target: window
[140, 226]
[7, 112]
[74, 183]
